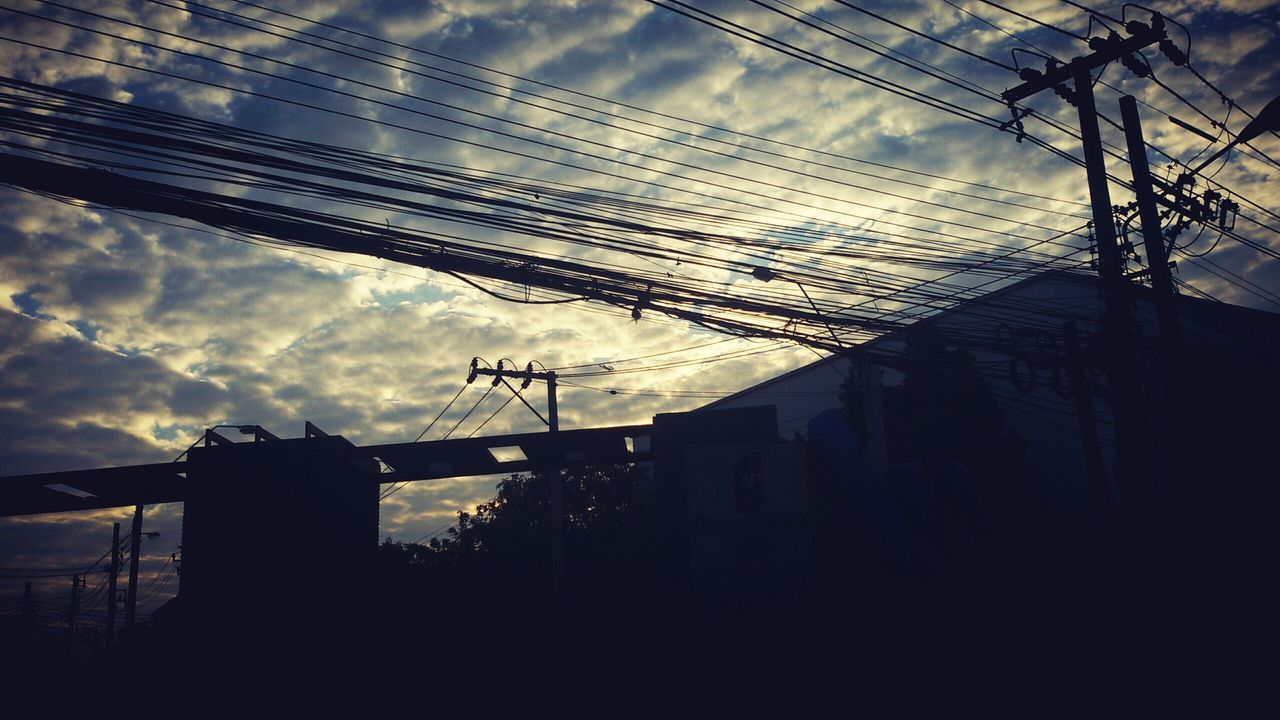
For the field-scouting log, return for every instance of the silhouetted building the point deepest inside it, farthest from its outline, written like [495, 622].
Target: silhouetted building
[733, 509]
[1218, 377]
[278, 535]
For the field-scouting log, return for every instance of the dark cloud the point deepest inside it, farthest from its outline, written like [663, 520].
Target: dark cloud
[127, 288]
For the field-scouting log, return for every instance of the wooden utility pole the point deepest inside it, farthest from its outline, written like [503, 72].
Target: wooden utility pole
[1082, 394]
[551, 470]
[28, 614]
[131, 599]
[1152, 234]
[1117, 323]
[557, 502]
[111, 584]
[1118, 356]
[71, 615]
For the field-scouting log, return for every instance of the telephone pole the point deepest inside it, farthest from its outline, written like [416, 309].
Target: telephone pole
[1152, 234]
[1131, 440]
[71, 614]
[552, 470]
[111, 584]
[131, 599]
[28, 615]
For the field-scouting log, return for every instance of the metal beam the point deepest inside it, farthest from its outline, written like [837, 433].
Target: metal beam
[97, 489]
[472, 456]
[167, 482]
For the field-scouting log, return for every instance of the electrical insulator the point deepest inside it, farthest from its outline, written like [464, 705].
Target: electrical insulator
[1030, 74]
[1065, 93]
[1173, 52]
[1136, 66]
[1211, 198]
[1135, 27]
[635, 313]
[1228, 208]
[1099, 44]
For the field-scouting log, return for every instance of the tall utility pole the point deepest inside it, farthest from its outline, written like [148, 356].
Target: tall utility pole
[111, 584]
[1088, 427]
[71, 614]
[28, 614]
[1132, 445]
[1117, 323]
[131, 599]
[1152, 234]
[552, 470]
[1158, 400]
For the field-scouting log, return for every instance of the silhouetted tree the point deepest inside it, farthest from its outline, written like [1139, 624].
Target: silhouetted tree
[496, 560]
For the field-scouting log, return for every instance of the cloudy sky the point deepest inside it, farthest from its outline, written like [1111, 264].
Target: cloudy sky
[849, 147]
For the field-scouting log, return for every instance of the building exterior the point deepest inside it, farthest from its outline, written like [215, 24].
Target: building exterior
[1016, 338]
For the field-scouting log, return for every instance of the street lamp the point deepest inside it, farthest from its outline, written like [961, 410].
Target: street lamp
[1267, 120]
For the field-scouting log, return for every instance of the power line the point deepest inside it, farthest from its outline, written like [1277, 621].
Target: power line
[1091, 11]
[680, 290]
[1041, 23]
[442, 412]
[927, 36]
[433, 134]
[256, 159]
[524, 126]
[398, 63]
[737, 30]
[293, 32]
[493, 414]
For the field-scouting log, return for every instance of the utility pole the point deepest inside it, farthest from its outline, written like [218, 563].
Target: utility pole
[1152, 234]
[552, 469]
[111, 584]
[1117, 323]
[557, 502]
[1153, 240]
[28, 614]
[1119, 358]
[131, 599]
[71, 615]
[1081, 393]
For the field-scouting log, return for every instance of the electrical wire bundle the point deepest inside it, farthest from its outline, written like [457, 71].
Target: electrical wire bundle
[816, 256]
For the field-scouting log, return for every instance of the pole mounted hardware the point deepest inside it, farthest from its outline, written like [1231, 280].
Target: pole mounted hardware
[1108, 49]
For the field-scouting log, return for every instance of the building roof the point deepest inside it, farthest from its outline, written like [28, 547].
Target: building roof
[1242, 322]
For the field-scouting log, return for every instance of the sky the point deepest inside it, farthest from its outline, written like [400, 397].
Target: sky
[835, 162]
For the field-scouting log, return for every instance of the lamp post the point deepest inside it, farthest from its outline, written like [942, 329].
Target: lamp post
[1267, 120]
